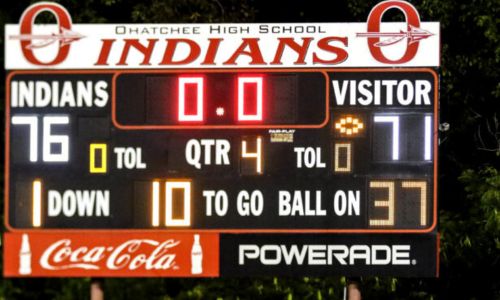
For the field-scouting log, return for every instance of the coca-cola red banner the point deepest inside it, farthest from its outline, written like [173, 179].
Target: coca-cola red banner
[161, 254]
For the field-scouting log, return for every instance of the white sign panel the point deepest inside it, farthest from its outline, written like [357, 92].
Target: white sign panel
[178, 46]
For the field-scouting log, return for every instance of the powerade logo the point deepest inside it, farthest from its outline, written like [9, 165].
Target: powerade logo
[319, 255]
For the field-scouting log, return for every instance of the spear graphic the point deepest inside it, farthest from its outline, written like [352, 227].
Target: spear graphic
[66, 37]
[414, 35]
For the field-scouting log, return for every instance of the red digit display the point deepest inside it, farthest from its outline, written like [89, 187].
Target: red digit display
[190, 99]
[250, 98]
[168, 100]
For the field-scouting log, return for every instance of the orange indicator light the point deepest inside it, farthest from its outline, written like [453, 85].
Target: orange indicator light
[349, 126]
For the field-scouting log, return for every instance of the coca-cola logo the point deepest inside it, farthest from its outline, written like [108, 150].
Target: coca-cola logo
[132, 255]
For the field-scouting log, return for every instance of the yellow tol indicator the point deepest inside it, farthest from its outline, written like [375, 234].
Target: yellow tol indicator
[103, 167]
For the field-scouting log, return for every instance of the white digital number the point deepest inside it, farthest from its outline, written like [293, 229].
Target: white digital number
[48, 139]
[428, 137]
[32, 121]
[394, 120]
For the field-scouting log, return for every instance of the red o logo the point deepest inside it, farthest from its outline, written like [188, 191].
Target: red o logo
[26, 25]
[374, 20]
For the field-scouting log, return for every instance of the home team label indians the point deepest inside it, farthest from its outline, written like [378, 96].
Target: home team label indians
[221, 149]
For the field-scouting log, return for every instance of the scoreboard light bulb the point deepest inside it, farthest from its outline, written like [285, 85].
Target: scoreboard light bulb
[349, 125]
[219, 111]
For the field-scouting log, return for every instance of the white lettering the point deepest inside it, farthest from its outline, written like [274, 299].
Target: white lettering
[370, 92]
[84, 203]
[59, 93]
[275, 254]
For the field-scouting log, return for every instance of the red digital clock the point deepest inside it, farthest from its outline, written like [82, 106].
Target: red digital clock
[223, 100]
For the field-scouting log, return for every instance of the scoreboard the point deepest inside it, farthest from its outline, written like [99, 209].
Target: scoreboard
[223, 150]
[189, 170]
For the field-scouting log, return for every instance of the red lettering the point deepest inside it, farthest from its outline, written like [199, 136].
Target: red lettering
[301, 50]
[253, 52]
[340, 53]
[102, 60]
[213, 46]
[168, 57]
[136, 44]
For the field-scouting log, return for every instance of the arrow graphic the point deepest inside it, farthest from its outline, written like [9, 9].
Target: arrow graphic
[414, 35]
[66, 37]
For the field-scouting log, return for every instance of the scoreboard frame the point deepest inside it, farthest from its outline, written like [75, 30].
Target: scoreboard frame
[324, 71]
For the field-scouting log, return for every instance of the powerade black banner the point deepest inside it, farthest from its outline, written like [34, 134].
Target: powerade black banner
[328, 254]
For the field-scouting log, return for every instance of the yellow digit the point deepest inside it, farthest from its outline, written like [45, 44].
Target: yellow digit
[342, 166]
[257, 155]
[37, 203]
[422, 186]
[389, 203]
